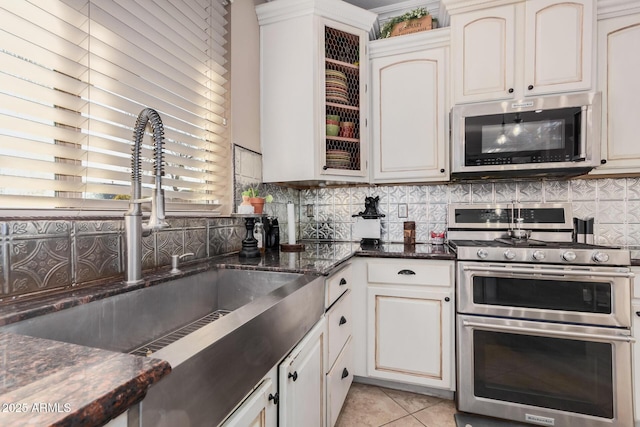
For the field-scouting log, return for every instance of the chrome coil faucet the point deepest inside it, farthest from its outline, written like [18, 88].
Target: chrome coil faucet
[134, 228]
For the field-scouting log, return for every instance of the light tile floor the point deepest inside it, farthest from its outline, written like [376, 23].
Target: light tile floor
[371, 406]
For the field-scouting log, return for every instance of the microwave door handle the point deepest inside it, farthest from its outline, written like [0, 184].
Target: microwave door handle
[553, 333]
[548, 271]
[583, 133]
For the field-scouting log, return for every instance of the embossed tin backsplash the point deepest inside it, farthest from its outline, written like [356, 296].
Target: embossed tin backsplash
[45, 254]
[40, 255]
[614, 203]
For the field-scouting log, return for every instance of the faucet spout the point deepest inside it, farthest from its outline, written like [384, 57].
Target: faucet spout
[134, 228]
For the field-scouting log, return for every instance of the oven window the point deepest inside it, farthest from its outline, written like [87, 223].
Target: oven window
[565, 295]
[563, 374]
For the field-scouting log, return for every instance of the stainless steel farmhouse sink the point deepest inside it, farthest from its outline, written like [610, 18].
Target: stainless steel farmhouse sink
[221, 330]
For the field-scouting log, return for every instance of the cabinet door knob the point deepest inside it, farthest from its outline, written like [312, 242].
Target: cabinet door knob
[447, 299]
[294, 375]
[343, 282]
[342, 320]
[510, 90]
[345, 373]
[275, 398]
[441, 170]
[406, 272]
[638, 313]
[325, 167]
[530, 87]
[603, 161]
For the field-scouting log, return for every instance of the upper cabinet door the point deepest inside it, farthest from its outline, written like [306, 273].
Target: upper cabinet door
[483, 48]
[410, 117]
[619, 62]
[527, 48]
[558, 46]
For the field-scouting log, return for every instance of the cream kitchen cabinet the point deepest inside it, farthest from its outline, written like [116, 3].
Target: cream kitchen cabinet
[410, 107]
[636, 360]
[301, 382]
[525, 48]
[635, 349]
[314, 63]
[410, 318]
[618, 65]
[338, 349]
[259, 409]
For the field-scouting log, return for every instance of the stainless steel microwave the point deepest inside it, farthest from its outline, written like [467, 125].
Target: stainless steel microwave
[545, 136]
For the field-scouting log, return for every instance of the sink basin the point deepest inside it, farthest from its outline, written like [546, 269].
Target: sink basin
[221, 330]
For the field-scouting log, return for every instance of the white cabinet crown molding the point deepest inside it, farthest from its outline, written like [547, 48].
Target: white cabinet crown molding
[615, 8]
[460, 6]
[440, 37]
[341, 11]
[387, 12]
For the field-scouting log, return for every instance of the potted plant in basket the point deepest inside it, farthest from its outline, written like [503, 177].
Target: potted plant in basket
[254, 198]
[411, 22]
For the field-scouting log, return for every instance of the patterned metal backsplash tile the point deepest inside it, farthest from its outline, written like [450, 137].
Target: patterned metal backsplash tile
[43, 255]
[614, 203]
[38, 255]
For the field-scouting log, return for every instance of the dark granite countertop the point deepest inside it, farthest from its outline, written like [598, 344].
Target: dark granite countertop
[97, 384]
[46, 383]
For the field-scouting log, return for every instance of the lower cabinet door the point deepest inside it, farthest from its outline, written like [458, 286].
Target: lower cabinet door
[301, 382]
[635, 330]
[410, 332]
[258, 410]
[339, 381]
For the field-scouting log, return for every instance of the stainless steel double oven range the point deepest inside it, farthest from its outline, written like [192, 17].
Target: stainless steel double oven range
[543, 324]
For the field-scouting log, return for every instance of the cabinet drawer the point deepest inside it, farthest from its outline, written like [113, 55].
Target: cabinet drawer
[339, 380]
[411, 272]
[340, 320]
[337, 284]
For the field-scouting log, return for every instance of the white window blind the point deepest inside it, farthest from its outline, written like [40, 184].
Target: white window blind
[74, 74]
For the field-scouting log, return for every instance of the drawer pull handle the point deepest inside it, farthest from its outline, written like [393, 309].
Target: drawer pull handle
[294, 375]
[345, 373]
[342, 320]
[343, 282]
[406, 272]
[275, 398]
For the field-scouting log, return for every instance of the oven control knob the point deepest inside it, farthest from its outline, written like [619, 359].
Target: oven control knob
[600, 257]
[509, 254]
[538, 255]
[482, 253]
[569, 256]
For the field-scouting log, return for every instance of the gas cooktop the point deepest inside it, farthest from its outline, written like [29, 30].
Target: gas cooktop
[481, 233]
[536, 251]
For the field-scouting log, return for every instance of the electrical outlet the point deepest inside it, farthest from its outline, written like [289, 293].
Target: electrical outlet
[309, 210]
[402, 210]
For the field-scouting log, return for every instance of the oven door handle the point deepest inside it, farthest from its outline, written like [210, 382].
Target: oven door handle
[548, 271]
[536, 331]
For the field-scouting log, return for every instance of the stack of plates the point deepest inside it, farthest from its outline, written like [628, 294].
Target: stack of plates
[337, 89]
[338, 159]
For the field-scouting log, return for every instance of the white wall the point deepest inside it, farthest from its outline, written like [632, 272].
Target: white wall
[245, 75]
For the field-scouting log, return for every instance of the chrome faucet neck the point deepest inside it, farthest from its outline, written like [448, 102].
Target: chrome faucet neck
[134, 228]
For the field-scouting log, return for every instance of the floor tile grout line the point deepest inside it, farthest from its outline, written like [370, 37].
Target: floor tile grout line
[404, 416]
[440, 400]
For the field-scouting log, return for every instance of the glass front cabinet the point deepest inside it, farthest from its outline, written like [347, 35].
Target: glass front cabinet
[314, 109]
